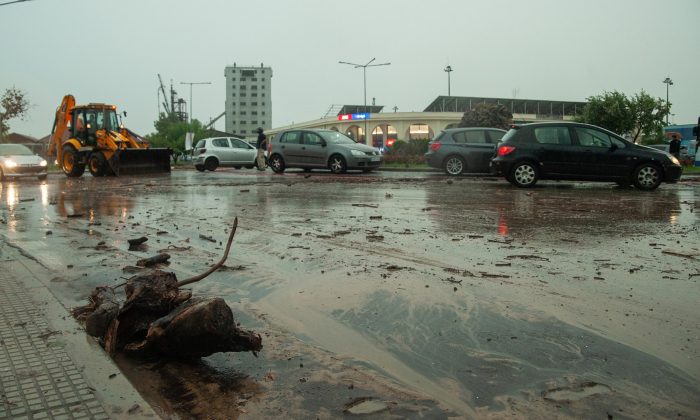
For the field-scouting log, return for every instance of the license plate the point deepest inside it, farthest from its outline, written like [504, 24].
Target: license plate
[375, 158]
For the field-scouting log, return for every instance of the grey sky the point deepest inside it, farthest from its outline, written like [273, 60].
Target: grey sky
[111, 51]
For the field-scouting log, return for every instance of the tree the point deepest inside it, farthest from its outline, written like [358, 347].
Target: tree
[649, 114]
[611, 110]
[487, 115]
[171, 132]
[639, 115]
[13, 104]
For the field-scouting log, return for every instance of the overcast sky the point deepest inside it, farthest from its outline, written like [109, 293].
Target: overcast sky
[112, 51]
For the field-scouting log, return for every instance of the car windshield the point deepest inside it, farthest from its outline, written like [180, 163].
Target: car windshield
[15, 150]
[335, 137]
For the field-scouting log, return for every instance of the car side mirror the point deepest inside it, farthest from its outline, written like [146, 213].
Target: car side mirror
[323, 143]
[613, 147]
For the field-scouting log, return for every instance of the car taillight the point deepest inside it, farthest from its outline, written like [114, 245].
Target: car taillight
[435, 146]
[202, 151]
[504, 150]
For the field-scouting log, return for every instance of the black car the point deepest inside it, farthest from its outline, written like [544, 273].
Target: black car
[458, 150]
[575, 151]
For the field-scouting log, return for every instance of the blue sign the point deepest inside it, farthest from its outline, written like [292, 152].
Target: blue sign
[363, 116]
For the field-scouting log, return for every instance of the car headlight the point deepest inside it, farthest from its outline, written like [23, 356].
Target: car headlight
[42, 163]
[10, 163]
[674, 160]
[357, 152]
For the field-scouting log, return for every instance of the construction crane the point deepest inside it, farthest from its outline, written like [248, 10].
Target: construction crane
[211, 123]
[176, 109]
[168, 110]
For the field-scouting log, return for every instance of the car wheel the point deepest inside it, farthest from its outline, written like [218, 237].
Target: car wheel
[337, 164]
[647, 176]
[251, 166]
[276, 163]
[454, 165]
[70, 162]
[524, 174]
[367, 170]
[97, 164]
[237, 167]
[200, 168]
[211, 164]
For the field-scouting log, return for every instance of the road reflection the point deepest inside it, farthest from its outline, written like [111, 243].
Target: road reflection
[494, 208]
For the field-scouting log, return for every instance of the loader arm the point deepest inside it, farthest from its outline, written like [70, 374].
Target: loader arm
[60, 125]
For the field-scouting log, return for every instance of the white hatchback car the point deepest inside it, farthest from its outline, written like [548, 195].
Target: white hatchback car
[17, 160]
[213, 152]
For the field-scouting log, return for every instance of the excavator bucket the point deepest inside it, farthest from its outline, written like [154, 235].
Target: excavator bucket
[140, 161]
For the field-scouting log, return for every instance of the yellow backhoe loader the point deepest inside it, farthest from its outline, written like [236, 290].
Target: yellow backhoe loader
[91, 136]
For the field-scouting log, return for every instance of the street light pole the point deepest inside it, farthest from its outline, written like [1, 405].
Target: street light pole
[193, 83]
[448, 70]
[668, 83]
[364, 80]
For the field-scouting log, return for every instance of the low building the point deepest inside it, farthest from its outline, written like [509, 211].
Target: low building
[444, 112]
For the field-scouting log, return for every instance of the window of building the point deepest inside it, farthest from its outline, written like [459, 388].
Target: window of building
[254, 122]
[242, 112]
[243, 104]
[242, 79]
[255, 79]
[263, 95]
[233, 94]
[254, 103]
[263, 112]
[242, 87]
[254, 95]
[254, 112]
[243, 94]
[263, 123]
[243, 123]
[254, 87]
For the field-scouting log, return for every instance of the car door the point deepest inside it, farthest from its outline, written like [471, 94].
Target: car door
[222, 150]
[557, 153]
[314, 149]
[603, 156]
[290, 148]
[476, 149]
[243, 153]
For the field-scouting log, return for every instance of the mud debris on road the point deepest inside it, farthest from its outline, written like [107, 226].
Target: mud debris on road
[537, 302]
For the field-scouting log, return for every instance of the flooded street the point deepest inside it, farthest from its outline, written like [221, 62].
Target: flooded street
[396, 294]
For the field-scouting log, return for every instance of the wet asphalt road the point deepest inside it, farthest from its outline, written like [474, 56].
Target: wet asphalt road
[432, 296]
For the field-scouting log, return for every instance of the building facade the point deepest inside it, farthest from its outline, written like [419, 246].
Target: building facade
[444, 112]
[248, 99]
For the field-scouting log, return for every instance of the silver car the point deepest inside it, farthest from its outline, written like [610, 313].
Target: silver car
[320, 149]
[17, 160]
[213, 152]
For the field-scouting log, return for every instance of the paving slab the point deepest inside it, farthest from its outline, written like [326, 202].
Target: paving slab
[49, 367]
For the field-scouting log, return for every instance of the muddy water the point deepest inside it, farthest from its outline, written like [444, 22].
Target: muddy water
[400, 295]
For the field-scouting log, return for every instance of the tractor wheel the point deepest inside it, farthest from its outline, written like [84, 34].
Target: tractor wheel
[97, 164]
[71, 162]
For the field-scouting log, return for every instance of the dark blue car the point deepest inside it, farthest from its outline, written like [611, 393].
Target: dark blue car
[459, 150]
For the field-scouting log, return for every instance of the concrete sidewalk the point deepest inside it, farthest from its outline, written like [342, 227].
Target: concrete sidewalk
[49, 367]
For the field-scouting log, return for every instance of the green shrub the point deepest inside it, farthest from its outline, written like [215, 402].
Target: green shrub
[409, 153]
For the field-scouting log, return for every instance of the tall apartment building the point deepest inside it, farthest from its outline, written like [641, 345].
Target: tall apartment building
[248, 99]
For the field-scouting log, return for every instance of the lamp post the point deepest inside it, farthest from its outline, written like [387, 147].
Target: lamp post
[364, 79]
[668, 83]
[193, 83]
[448, 70]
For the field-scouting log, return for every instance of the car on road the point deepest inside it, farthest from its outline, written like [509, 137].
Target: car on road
[575, 151]
[320, 149]
[459, 150]
[214, 152]
[17, 160]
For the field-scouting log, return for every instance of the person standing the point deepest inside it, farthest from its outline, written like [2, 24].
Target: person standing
[674, 147]
[261, 145]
